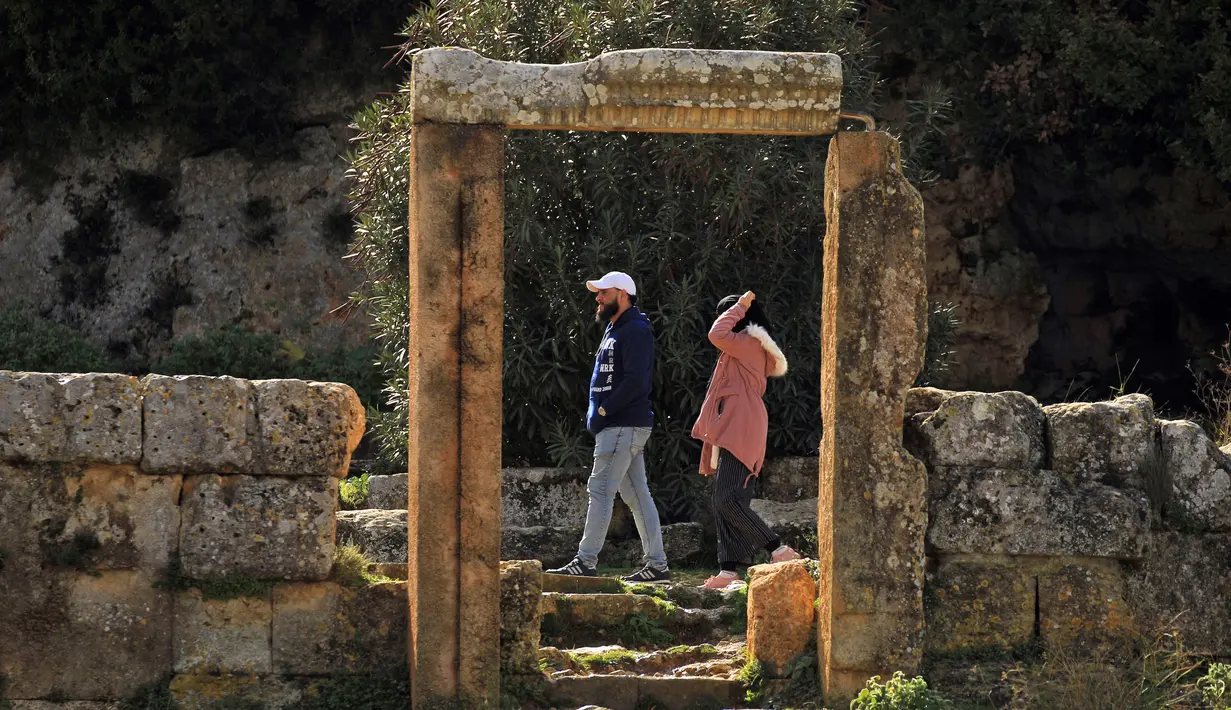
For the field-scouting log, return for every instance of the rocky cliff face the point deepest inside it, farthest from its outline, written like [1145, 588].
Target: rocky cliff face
[144, 242]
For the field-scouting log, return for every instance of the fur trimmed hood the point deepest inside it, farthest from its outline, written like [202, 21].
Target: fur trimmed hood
[762, 337]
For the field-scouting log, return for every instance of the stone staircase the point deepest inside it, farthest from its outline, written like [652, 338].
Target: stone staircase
[610, 645]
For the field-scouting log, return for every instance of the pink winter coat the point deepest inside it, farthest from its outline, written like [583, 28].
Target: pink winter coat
[733, 416]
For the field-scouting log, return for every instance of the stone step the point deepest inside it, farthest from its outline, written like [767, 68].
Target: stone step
[630, 692]
[569, 584]
[633, 620]
[722, 660]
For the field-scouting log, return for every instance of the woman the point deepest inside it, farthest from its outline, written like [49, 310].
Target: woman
[733, 425]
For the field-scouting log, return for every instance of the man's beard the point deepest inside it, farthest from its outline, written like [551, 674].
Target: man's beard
[605, 312]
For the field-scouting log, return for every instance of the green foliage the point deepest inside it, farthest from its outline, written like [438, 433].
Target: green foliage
[641, 631]
[899, 693]
[237, 352]
[1113, 81]
[29, 343]
[692, 217]
[351, 567]
[75, 73]
[736, 614]
[353, 491]
[597, 662]
[752, 675]
[1215, 686]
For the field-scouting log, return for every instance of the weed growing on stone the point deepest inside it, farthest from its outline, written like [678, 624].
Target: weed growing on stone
[351, 565]
[752, 675]
[1214, 391]
[736, 615]
[353, 492]
[152, 696]
[899, 693]
[1215, 686]
[651, 590]
[381, 690]
[606, 659]
[228, 587]
[640, 630]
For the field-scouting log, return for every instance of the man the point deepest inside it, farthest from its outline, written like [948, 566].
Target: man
[620, 418]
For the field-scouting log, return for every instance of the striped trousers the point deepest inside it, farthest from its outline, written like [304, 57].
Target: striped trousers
[741, 532]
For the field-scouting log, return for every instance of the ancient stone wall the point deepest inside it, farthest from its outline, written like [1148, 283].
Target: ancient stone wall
[179, 531]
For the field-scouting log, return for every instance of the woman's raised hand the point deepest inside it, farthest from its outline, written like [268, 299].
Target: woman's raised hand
[747, 298]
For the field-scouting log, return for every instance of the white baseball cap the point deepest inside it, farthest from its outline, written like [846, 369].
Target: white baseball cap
[614, 279]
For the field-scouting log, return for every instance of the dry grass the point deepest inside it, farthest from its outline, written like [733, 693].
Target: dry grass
[1214, 391]
[1138, 672]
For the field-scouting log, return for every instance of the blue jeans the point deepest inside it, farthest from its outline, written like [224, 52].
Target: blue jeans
[619, 465]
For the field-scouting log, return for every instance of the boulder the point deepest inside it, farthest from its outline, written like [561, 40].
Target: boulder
[306, 428]
[1185, 586]
[324, 628]
[102, 415]
[925, 400]
[794, 522]
[1102, 442]
[976, 429]
[1016, 512]
[198, 424]
[780, 612]
[532, 497]
[789, 478]
[387, 492]
[521, 616]
[1200, 477]
[381, 534]
[262, 527]
[31, 417]
[222, 635]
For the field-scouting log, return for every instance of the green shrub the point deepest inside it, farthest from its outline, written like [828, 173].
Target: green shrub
[899, 693]
[1112, 82]
[32, 344]
[1216, 686]
[692, 217]
[353, 491]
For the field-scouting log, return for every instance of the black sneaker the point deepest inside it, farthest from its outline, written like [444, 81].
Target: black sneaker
[649, 575]
[575, 569]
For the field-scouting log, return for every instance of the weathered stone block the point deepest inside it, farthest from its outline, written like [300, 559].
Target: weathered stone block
[222, 635]
[306, 428]
[682, 543]
[976, 429]
[1003, 512]
[980, 604]
[521, 616]
[1185, 585]
[31, 417]
[1104, 442]
[93, 636]
[264, 527]
[66, 705]
[89, 517]
[386, 492]
[780, 611]
[223, 692]
[1200, 478]
[325, 628]
[1082, 606]
[925, 400]
[103, 418]
[794, 522]
[553, 546]
[790, 478]
[603, 610]
[543, 496]
[198, 425]
[381, 534]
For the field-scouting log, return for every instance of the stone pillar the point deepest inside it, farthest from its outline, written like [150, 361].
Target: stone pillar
[456, 320]
[872, 508]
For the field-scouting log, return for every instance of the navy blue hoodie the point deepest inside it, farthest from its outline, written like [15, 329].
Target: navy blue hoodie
[623, 374]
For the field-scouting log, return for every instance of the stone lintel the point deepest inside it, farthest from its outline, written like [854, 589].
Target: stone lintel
[660, 90]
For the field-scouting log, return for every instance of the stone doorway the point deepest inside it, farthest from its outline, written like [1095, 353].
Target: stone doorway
[871, 517]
